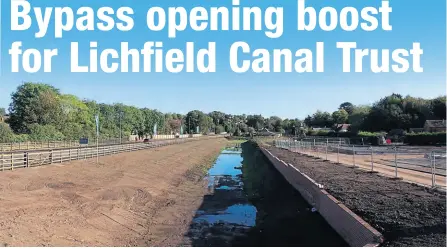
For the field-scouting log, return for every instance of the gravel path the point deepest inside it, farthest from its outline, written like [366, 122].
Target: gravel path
[406, 214]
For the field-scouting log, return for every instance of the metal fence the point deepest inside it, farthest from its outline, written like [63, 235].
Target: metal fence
[25, 159]
[416, 164]
[326, 140]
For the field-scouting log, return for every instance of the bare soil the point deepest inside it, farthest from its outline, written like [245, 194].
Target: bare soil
[143, 198]
[406, 214]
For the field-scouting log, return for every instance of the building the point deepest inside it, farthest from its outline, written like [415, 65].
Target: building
[266, 133]
[4, 118]
[435, 126]
[342, 127]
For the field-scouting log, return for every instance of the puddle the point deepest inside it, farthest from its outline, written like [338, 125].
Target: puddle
[225, 180]
[243, 215]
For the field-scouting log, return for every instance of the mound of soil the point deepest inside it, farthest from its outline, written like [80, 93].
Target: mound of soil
[406, 214]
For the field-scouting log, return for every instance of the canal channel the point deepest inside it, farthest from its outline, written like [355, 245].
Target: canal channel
[250, 204]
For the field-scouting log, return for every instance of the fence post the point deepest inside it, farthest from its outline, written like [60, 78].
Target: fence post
[434, 169]
[3, 165]
[51, 156]
[432, 166]
[372, 159]
[12, 160]
[338, 154]
[353, 156]
[327, 145]
[395, 162]
[27, 159]
[318, 151]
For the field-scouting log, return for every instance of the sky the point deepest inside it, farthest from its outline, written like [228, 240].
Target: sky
[287, 95]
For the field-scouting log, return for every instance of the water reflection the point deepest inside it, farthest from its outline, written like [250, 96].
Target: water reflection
[225, 181]
[250, 204]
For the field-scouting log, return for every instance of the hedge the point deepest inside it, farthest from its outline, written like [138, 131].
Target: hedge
[438, 138]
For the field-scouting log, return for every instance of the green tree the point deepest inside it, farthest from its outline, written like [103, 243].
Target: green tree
[255, 121]
[220, 129]
[35, 104]
[358, 116]
[438, 107]
[348, 107]
[340, 117]
[199, 119]
[274, 123]
[320, 119]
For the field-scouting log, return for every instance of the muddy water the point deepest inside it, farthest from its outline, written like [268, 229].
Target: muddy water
[250, 204]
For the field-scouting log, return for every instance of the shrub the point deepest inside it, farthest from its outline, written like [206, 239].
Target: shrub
[19, 138]
[318, 133]
[438, 138]
[6, 134]
[44, 133]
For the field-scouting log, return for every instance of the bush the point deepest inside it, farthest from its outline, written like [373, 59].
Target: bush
[44, 133]
[20, 138]
[426, 138]
[6, 134]
[220, 129]
[318, 133]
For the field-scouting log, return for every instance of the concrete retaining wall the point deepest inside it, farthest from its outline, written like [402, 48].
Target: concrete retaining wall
[354, 230]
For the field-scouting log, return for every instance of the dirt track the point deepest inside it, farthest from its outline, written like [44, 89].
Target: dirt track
[132, 199]
[406, 214]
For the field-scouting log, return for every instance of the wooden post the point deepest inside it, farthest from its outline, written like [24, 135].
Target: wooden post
[3, 165]
[12, 161]
[51, 156]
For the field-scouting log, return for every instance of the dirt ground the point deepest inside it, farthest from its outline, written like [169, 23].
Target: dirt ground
[406, 214]
[384, 164]
[143, 198]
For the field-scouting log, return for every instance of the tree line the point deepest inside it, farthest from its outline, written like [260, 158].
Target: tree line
[40, 112]
[389, 113]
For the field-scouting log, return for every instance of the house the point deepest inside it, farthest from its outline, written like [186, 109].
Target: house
[342, 127]
[435, 126]
[4, 118]
[266, 133]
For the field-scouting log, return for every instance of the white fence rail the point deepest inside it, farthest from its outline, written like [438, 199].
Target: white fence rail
[418, 164]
